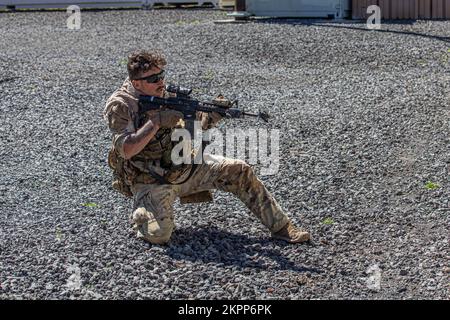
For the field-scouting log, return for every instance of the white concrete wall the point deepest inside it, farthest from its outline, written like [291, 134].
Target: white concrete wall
[46, 4]
[298, 8]
[167, 2]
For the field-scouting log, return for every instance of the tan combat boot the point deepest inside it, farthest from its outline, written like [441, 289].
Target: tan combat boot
[291, 234]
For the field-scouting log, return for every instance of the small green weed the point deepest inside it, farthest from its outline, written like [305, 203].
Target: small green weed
[123, 62]
[209, 75]
[90, 205]
[431, 185]
[58, 234]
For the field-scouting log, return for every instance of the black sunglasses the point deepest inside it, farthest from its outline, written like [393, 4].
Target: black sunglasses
[154, 78]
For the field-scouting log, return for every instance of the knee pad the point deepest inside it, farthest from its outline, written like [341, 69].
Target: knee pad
[157, 231]
[140, 216]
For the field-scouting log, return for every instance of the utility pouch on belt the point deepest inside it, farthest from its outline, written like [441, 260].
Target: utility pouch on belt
[115, 162]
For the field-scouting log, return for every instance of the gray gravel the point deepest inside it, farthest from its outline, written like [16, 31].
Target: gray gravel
[365, 124]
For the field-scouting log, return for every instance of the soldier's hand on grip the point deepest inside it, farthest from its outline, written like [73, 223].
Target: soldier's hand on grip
[223, 102]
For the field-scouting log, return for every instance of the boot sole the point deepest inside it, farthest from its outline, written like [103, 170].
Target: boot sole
[290, 240]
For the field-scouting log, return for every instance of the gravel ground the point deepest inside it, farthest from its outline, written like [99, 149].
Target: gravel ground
[364, 122]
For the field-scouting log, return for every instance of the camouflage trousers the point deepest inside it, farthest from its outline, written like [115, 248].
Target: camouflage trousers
[153, 218]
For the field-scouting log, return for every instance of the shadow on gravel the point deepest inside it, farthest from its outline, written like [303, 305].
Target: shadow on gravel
[221, 247]
[347, 25]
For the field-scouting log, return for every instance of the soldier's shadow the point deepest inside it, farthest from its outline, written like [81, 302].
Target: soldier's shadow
[212, 245]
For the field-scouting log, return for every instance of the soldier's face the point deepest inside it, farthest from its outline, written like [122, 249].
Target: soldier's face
[152, 89]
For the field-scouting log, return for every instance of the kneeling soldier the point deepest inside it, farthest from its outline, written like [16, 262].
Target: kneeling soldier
[141, 152]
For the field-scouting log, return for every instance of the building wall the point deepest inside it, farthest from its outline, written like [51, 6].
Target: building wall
[403, 9]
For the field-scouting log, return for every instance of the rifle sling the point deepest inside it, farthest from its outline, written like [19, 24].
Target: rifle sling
[163, 180]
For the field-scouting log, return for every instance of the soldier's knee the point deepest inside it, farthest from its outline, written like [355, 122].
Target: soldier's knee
[238, 168]
[159, 232]
[151, 229]
[235, 175]
[246, 168]
[140, 216]
[241, 173]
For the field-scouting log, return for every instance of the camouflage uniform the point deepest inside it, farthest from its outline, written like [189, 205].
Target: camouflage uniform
[153, 202]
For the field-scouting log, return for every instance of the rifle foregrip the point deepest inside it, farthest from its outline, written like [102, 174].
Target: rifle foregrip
[234, 113]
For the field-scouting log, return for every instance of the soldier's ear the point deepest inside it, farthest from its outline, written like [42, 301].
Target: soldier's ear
[136, 84]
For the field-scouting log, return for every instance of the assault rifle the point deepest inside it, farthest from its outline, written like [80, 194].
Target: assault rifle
[189, 106]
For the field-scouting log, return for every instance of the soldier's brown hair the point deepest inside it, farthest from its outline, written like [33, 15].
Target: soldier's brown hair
[142, 61]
